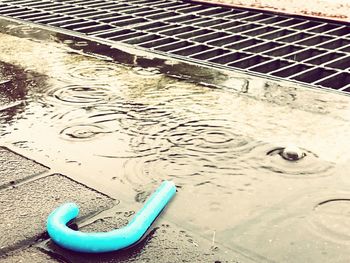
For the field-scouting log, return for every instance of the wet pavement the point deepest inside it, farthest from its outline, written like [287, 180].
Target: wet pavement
[120, 121]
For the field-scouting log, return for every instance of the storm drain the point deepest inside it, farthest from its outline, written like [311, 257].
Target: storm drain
[315, 52]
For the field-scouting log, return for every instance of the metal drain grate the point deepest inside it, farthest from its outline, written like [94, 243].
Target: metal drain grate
[315, 52]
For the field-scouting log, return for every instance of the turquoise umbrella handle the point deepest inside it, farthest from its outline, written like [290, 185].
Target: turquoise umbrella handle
[98, 242]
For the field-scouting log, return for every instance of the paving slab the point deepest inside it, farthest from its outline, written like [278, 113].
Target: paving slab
[164, 243]
[24, 209]
[15, 168]
[30, 254]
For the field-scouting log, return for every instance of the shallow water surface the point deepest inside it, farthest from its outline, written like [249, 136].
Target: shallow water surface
[122, 130]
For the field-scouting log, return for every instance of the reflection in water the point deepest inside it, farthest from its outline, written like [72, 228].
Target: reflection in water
[13, 82]
[123, 130]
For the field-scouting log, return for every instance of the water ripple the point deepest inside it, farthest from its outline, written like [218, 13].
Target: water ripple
[200, 152]
[96, 71]
[311, 166]
[330, 220]
[82, 132]
[80, 95]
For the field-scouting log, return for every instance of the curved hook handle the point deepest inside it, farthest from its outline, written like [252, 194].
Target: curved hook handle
[107, 241]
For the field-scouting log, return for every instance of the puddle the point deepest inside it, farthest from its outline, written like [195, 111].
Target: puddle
[123, 129]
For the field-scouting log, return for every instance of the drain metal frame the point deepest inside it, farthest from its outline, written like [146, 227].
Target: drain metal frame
[315, 52]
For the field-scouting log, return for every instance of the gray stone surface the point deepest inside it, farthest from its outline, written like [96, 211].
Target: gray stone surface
[30, 254]
[24, 209]
[163, 244]
[14, 168]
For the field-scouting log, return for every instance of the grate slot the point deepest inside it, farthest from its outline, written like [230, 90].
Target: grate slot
[245, 43]
[278, 34]
[81, 13]
[29, 14]
[191, 50]
[207, 23]
[264, 47]
[314, 75]
[346, 49]
[10, 12]
[250, 62]
[258, 17]
[260, 31]
[69, 21]
[228, 25]
[174, 46]
[207, 55]
[290, 71]
[143, 39]
[104, 18]
[183, 18]
[147, 14]
[325, 58]
[127, 36]
[241, 15]
[272, 66]
[103, 6]
[62, 9]
[93, 28]
[218, 12]
[5, 8]
[335, 44]
[229, 58]
[233, 12]
[343, 31]
[273, 20]
[80, 25]
[151, 25]
[323, 28]
[40, 5]
[242, 28]
[211, 36]
[121, 8]
[296, 37]
[284, 50]
[138, 10]
[195, 21]
[340, 64]
[306, 25]
[171, 6]
[48, 20]
[157, 43]
[167, 28]
[226, 40]
[129, 21]
[316, 40]
[338, 81]
[34, 16]
[304, 55]
[194, 9]
[195, 33]
[290, 22]
[173, 30]
[114, 33]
